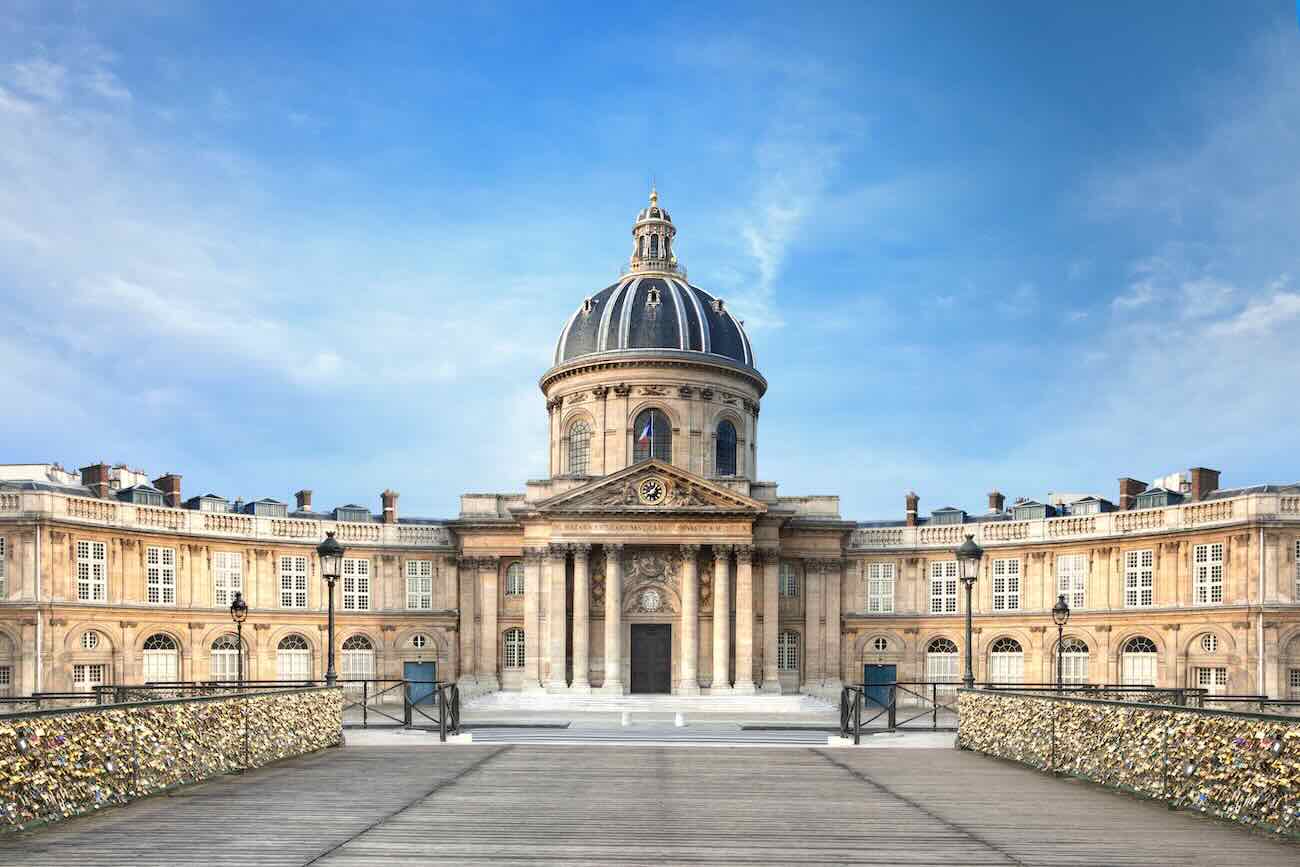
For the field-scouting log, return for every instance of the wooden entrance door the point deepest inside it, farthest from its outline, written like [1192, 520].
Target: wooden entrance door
[652, 657]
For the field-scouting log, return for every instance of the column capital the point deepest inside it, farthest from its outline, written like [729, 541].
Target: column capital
[690, 549]
[580, 548]
[613, 548]
[534, 555]
[467, 561]
[720, 551]
[744, 553]
[489, 561]
[557, 551]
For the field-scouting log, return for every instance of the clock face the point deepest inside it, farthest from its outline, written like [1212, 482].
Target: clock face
[652, 491]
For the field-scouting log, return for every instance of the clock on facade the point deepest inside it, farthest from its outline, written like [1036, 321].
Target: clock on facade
[652, 491]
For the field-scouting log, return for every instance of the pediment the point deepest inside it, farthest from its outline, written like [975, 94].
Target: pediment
[633, 490]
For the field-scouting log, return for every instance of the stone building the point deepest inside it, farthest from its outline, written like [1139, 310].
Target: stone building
[652, 558]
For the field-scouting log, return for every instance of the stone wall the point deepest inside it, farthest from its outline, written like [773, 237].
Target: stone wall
[62, 763]
[1237, 766]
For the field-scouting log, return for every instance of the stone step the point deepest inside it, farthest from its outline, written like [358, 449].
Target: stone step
[558, 702]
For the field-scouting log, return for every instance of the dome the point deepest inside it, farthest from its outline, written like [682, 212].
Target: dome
[654, 312]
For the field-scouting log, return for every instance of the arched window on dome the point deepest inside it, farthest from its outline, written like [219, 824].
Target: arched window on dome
[725, 452]
[654, 246]
[579, 448]
[652, 436]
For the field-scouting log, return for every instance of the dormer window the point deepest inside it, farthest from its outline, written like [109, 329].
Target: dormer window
[947, 515]
[652, 298]
[267, 508]
[353, 513]
[1032, 511]
[588, 306]
[1157, 498]
[717, 305]
[141, 495]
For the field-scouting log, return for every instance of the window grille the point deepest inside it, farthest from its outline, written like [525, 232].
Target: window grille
[161, 659]
[225, 658]
[89, 639]
[1210, 642]
[1074, 661]
[1138, 663]
[4, 582]
[514, 647]
[1296, 597]
[725, 452]
[579, 448]
[880, 587]
[788, 585]
[1213, 679]
[6, 680]
[160, 574]
[293, 582]
[1139, 579]
[787, 650]
[92, 569]
[1072, 579]
[943, 587]
[1007, 661]
[1006, 585]
[941, 661]
[293, 658]
[419, 585]
[227, 576]
[652, 436]
[515, 579]
[1207, 574]
[356, 584]
[1295, 683]
[419, 642]
[86, 677]
[357, 662]
[880, 645]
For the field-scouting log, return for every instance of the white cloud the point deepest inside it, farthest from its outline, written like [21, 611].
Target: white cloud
[105, 83]
[40, 78]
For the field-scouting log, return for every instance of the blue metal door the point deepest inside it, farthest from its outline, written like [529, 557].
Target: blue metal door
[420, 692]
[876, 679]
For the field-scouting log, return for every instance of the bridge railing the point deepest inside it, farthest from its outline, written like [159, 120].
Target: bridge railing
[1231, 764]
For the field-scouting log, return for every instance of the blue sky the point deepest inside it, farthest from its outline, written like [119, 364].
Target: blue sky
[1031, 246]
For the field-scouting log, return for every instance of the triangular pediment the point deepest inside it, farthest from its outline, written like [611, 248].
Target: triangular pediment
[649, 488]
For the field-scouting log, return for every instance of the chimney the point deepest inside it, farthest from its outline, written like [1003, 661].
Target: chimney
[170, 485]
[304, 500]
[996, 502]
[95, 477]
[1128, 491]
[1203, 481]
[390, 506]
[913, 502]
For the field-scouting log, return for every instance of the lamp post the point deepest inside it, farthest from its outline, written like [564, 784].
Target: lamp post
[968, 562]
[1060, 616]
[239, 613]
[331, 563]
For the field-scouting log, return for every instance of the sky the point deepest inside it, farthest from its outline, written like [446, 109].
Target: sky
[1025, 246]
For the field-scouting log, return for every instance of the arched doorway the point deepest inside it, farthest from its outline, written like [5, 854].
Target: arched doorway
[293, 658]
[1139, 662]
[162, 659]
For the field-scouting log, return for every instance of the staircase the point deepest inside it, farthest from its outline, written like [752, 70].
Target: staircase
[688, 704]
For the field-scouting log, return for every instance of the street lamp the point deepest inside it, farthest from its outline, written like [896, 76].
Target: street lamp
[331, 565]
[968, 562]
[239, 613]
[1060, 616]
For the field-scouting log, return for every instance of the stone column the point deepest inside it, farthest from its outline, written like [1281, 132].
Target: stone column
[581, 626]
[532, 619]
[556, 621]
[690, 668]
[613, 620]
[721, 619]
[771, 618]
[812, 623]
[468, 573]
[744, 620]
[833, 587]
[488, 568]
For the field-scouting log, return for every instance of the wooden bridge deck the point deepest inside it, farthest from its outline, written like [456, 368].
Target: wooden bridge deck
[605, 805]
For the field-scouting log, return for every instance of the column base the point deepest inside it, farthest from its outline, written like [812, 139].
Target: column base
[533, 688]
[559, 686]
[720, 690]
[742, 688]
[580, 688]
[488, 682]
[689, 687]
[771, 686]
[611, 687]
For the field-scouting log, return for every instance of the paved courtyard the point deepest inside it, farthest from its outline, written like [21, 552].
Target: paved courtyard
[626, 805]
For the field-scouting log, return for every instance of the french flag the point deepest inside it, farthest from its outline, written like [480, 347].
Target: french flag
[646, 432]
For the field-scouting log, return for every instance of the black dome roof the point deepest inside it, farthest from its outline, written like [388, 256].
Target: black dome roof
[659, 312]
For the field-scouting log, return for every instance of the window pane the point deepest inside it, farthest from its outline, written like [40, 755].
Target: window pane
[652, 436]
[725, 463]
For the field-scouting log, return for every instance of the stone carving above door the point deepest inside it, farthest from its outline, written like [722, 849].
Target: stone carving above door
[651, 566]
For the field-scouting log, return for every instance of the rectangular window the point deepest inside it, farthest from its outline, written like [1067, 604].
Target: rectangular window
[943, 587]
[92, 569]
[6, 680]
[1295, 683]
[356, 584]
[160, 574]
[880, 587]
[4, 584]
[419, 584]
[1072, 578]
[1139, 579]
[1207, 574]
[1213, 679]
[293, 582]
[1006, 585]
[227, 576]
[1296, 597]
[788, 585]
[87, 677]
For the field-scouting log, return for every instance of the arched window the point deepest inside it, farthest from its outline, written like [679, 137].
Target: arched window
[1209, 643]
[1074, 661]
[358, 662]
[1138, 663]
[89, 640]
[513, 646]
[788, 585]
[225, 658]
[1006, 661]
[579, 448]
[293, 658]
[941, 661]
[880, 644]
[654, 246]
[725, 453]
[419, 642]
[515, 579]
[1213, 678]
[7, 666]
[652, 436]
[162, 659]
[787, 650]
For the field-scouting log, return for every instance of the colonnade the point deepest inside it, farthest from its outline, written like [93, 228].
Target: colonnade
[546, 624]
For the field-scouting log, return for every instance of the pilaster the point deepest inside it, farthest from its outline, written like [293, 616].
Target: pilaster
[771, 566]
[744, 620]
[556, 618]
[581, 625]
[689, 683]
[532, 619]
[721, 683]
[613, 620]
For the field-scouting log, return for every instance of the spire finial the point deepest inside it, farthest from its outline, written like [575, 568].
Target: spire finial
[654, 194]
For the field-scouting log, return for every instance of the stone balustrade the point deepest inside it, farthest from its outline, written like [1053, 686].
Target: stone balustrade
[61, 763]
[1237, 766]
